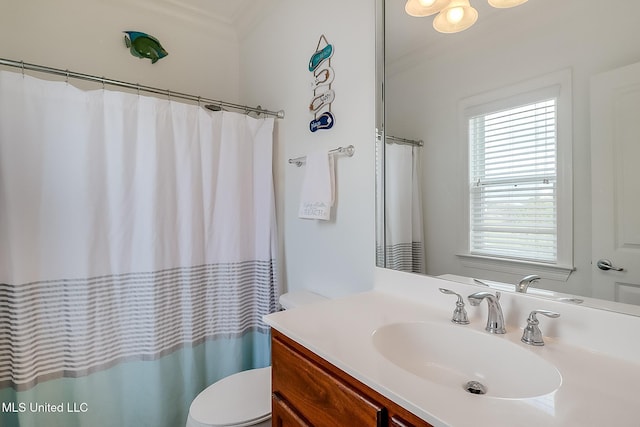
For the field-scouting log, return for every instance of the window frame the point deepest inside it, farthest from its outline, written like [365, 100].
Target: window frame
[557, 85]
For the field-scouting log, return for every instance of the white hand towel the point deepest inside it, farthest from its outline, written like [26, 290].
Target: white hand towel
[316, 198]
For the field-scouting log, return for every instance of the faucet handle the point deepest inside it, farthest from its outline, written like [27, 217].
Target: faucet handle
[459, 314]
[532, 334]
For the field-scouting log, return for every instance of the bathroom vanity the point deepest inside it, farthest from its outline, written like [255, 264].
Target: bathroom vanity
[309, 391]
[393, 357]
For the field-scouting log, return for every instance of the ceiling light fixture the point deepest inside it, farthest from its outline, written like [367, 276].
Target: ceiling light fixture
[453, 15]
[420, 8]
[457, 16]
[502, 4]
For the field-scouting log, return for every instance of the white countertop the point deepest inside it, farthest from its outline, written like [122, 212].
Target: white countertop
[597, 388]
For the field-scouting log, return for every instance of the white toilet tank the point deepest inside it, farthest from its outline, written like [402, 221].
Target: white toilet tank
[242, 399]
[295, 299]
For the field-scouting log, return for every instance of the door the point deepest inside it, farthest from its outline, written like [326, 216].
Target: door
[615, 184]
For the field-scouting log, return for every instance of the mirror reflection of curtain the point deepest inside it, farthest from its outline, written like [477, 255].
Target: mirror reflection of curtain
[403, 215]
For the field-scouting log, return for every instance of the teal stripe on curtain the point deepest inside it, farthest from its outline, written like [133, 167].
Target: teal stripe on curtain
[136, 394]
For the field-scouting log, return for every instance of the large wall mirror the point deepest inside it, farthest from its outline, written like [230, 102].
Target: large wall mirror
[569, 70]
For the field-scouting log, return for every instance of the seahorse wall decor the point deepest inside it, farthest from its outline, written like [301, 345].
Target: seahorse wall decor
[323, 95]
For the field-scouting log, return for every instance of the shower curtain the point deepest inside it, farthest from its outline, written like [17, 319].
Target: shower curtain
[404, 236]
[137, 256]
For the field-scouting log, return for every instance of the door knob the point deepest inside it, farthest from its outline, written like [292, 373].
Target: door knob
[605, 264]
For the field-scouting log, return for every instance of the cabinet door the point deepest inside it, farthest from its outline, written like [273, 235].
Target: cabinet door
[397, 421]
[283, 415]
[303, 387]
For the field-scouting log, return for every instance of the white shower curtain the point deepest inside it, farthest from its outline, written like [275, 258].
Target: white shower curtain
[404, 236]
[131, 227]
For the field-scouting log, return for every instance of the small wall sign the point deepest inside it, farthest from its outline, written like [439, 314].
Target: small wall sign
[323, 95]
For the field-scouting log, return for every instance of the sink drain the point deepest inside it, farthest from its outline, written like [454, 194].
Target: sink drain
[474, 387]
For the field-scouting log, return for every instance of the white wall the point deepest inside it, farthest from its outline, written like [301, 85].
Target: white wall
[336, 257]
[86, 36]
[508, 47]
[206, 58]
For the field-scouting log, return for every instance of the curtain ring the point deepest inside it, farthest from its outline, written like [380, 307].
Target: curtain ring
[199, 100]
[22, 66]
[67, 77]
[102, 80]
[169, 95]
[138, 88]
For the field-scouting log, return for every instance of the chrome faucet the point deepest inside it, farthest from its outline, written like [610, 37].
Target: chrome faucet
[532, 334]
[524, 284]
[459, 314]
[495, 320]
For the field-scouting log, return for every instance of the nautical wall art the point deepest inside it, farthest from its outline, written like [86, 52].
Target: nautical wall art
[323, 95]
[142, 45]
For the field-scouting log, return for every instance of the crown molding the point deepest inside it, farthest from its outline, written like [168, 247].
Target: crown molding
[209, 16]
[249, 13]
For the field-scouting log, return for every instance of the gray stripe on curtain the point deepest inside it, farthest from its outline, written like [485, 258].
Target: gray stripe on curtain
[72, 327]
[402, 257]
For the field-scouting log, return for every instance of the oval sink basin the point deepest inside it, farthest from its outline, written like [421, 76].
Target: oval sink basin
[453, 356]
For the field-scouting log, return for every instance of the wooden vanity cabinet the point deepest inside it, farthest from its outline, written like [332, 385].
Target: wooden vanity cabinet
[309, 391]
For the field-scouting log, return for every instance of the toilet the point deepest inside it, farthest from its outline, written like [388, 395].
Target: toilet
[242, 399]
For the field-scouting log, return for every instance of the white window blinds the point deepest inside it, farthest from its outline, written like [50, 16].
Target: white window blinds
[513, 182]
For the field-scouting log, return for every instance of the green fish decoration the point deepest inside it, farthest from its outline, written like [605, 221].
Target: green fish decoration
[143, 45]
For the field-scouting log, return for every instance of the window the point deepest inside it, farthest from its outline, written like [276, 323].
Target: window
[519, 186]
[513, 182]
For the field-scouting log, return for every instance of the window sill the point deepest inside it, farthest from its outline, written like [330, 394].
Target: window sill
[519, 267]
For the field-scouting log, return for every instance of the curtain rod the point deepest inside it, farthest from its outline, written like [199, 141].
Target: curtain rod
[405, 141]
[72, 74]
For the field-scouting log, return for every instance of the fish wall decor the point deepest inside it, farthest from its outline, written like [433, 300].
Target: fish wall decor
[142, 45]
